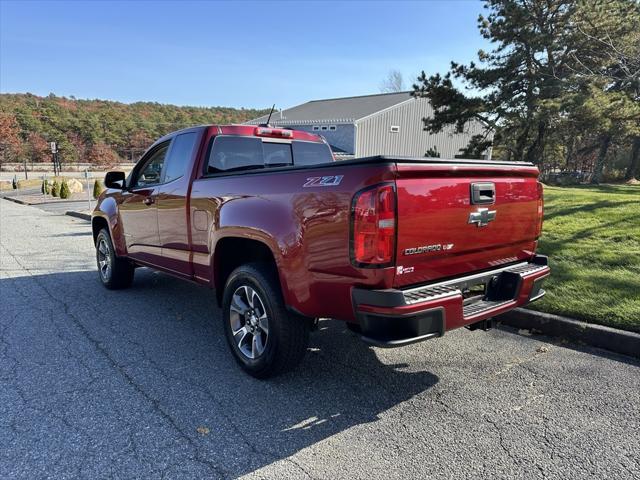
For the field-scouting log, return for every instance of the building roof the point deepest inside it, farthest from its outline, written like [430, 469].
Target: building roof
[335, 110]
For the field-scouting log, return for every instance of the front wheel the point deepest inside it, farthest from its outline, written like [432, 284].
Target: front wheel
[263, 336]
[114, 272]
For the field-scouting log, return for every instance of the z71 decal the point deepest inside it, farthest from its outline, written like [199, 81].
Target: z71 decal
[330, 181]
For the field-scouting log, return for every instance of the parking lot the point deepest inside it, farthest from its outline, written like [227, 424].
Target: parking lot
[33, 196]
[139, 384]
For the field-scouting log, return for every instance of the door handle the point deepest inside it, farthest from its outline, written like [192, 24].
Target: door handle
[148, 201]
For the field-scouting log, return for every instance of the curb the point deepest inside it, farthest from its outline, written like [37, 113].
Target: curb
[35, 204]
[82, 216]
[15, 200]
[612, 339]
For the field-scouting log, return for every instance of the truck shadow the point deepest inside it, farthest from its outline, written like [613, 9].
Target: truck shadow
[166, 337]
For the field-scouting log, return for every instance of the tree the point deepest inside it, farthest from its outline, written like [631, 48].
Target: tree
[76, 149]
[55, 189]
[64, 190]
[39, 150]
[634, 167]
[10, 142]
[514, 79]
[77, 125]
[608, 65]
[97, 189]
[432, 152]
[101, 154]
[530, 88]
[138, 143]
[392, 83]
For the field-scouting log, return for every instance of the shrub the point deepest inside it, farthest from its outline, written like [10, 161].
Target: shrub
[613, 176]
[64, 190]
[45, 187]
[97, 189]
[14, 183]
[432, 152]
[55, 189]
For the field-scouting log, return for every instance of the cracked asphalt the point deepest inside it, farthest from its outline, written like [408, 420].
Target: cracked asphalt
[139, 384]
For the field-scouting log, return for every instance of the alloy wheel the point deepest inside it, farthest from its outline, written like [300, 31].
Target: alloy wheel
[249, 322]
[104, 259]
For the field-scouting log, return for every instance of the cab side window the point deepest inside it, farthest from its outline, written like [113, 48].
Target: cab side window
[151, 172]
[179, 157]
[311, 153]
[235, 153]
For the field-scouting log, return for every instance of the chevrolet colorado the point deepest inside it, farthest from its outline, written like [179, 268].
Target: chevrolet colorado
[402, 249]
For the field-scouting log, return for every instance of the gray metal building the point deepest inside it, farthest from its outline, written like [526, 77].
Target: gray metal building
[383, 124]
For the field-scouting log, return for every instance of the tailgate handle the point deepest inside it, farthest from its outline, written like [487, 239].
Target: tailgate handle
[483, 193]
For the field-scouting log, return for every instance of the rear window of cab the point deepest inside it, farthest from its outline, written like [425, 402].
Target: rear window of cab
[230, 153]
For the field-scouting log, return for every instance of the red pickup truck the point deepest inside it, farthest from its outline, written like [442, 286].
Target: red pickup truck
[402, 249]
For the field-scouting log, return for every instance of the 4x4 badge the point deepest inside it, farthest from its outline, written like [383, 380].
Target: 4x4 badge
[482, 217]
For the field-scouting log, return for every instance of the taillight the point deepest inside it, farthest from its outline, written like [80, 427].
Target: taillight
[373, 231]
[540, 209]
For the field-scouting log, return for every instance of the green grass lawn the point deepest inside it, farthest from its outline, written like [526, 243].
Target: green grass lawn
[592, 238]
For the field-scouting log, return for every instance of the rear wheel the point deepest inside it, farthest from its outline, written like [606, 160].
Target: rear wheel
[263, 336]
[114, 272]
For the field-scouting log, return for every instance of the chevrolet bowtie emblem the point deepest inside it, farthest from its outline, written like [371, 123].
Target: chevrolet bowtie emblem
[482, 217]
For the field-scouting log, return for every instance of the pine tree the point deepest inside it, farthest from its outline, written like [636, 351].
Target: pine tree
[55, 189]
[547, 67]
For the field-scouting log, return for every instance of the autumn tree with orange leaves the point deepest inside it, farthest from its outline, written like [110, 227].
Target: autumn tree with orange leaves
[10, 141]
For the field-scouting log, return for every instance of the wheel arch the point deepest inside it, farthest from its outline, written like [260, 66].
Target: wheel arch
[97, 224]
[232, 251]
[106, 216]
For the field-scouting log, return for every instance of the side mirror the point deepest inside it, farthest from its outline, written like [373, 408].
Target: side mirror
[114, 180]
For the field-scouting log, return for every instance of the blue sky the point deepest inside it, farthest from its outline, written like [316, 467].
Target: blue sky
[240, 54]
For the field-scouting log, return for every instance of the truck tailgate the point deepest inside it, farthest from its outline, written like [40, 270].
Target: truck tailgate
[443, 232]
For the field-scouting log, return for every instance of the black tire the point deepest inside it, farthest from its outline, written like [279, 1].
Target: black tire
[117, 272]
[288, 335]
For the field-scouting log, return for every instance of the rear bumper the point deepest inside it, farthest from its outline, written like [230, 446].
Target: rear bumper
[391, 318]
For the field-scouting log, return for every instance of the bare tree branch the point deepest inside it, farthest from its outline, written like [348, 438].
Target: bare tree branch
[392, 83]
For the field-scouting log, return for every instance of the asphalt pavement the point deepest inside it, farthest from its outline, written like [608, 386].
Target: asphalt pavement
[139, 384]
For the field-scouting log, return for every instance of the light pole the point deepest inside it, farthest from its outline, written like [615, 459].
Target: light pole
[54, 153]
